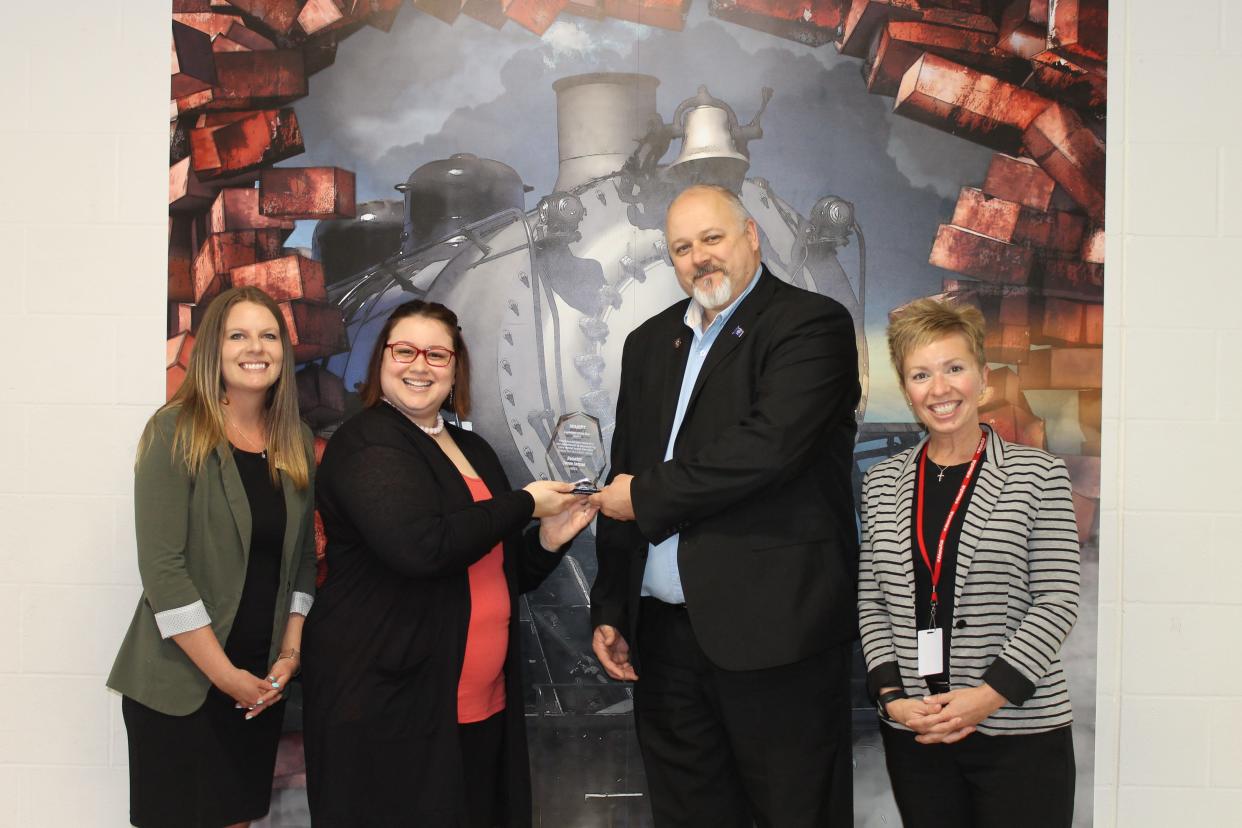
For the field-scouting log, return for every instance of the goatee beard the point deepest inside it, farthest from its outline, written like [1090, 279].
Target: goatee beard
[716, 298]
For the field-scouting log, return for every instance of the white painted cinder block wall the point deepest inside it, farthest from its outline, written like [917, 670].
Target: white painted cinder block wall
[82, 235]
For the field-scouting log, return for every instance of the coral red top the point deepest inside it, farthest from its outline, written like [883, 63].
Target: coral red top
[481, 689]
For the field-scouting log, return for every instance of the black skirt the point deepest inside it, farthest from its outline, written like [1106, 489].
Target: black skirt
[206, 770]
[213, 768]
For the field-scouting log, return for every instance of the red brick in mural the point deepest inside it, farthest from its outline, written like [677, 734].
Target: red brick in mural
[193, 66]
[237, 208]
[276, 15]
[319, 16]
[289, 277]
[446, 10]
[259, 79]
[813, 22]
[1020, 180]
[901, 44]
[1078, 30]
[1069, 82]
[536, 15]
[492, 12]
[238, 35]
[1024, 28]
[1093, 246]
[967, 103]
[666, 14]
[1004, 389]
[1073, 279]
[228, 144]
[307, 193]
[980, 256]
[1062, 322]
[1071, 154]
[1062, 368]
[180, 259]
[590, 9]
[208, 22]
[186, 193]
[316, 329]
[1007, 343]
[1016, 424]
[994, 217]
[177, 362]
[865, 18]
[222, 252]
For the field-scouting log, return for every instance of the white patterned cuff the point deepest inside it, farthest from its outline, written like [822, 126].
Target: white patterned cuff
[182, 619]
[301, 603]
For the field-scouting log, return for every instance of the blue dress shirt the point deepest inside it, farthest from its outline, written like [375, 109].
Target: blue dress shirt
[662, 578]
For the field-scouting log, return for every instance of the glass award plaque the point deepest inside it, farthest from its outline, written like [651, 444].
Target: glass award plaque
[576, 452]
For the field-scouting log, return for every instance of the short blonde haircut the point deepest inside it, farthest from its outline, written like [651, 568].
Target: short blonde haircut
[924, 321]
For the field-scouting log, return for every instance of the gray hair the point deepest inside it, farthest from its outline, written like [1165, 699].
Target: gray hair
[731, 198]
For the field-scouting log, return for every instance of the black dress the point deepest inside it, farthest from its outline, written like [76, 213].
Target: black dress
[212, 767]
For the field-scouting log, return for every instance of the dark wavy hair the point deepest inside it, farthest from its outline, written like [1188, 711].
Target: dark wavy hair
[370, 392]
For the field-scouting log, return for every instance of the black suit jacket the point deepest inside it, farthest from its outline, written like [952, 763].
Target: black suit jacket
[759, 484]
[383, 646]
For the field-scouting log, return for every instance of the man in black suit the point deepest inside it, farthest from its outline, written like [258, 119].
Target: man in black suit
[727, 545]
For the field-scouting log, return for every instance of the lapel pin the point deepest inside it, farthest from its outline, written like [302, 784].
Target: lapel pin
[738, 331]
[677, 342]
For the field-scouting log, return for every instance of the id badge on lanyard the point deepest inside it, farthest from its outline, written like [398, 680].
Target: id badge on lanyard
[931, 639]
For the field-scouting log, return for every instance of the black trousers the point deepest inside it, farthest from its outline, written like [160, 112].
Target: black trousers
[983, 781]
[735, 748]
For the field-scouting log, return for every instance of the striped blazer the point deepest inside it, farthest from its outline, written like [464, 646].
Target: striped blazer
[1015, 592]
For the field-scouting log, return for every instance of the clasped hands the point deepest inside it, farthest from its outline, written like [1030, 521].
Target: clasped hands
[244, 686]
[949, 717]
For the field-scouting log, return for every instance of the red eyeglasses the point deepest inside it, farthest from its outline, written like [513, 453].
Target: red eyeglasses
[435, 356]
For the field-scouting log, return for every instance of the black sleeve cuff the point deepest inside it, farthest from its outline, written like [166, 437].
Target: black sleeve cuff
[642, 516]
[883, 675]
[1005, 679]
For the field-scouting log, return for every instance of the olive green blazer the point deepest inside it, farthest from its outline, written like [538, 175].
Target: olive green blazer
[193, 538]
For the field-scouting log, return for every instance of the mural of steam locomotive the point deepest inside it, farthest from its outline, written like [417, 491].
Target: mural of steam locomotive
[548, 296]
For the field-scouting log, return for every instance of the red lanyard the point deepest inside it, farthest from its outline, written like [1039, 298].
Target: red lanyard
[944, 533]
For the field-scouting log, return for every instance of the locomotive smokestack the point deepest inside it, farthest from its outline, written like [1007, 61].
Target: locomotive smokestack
[600, 118]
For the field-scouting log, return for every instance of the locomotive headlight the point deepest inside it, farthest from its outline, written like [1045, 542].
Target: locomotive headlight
[831, 220]
[559, 216]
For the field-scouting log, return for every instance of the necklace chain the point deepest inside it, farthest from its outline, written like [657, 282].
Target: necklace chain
[261, 449]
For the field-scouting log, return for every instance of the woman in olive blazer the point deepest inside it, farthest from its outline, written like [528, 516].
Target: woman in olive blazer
[193, 538]
[224, 511]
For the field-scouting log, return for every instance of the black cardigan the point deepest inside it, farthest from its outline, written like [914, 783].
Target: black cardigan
[384, 644]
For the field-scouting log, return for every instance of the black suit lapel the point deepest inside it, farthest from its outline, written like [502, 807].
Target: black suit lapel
[671, 353]
[736, 329]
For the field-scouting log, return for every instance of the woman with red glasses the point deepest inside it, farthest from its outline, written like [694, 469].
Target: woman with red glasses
[412, 674]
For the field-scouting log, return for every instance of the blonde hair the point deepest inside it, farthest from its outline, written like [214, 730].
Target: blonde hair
[199, 401]
[924, 321]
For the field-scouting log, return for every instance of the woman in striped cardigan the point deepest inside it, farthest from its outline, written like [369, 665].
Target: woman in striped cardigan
[968, 586]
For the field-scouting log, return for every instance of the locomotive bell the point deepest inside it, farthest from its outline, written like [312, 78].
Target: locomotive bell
[708, 136]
